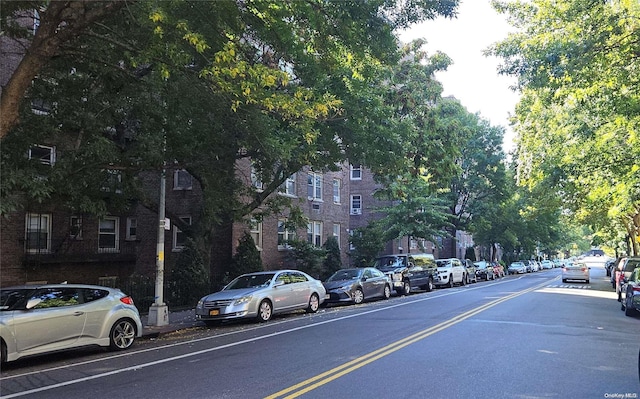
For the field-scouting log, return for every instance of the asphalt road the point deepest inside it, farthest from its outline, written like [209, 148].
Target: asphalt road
[528, 336]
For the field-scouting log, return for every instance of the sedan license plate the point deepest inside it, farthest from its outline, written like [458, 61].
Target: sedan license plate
[214, 312]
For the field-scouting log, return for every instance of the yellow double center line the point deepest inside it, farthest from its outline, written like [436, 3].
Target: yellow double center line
[321, 379]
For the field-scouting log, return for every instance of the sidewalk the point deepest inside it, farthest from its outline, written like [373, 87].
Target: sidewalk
[178, 320]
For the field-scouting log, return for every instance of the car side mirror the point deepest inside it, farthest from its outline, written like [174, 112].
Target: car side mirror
[32, 303]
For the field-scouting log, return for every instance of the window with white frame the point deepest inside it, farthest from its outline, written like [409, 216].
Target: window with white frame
[336, 232]
[314, 233]
[337, 183]
[108, 234]
[286, 234]
[46, 155]
[38, 233]
[255, 229]
[413, 244]
[289, 186]
[132, 229]
[356, 204]
[75, 227]
[314, 186]
[179, 237]
[182, 180]
[356, 172]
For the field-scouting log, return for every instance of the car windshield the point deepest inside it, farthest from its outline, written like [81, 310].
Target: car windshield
[10, 298]
[390, 261]
[443, 263]
[250, 281]
[347, 274]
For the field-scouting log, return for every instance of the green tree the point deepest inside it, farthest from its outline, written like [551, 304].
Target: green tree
[577, 122]
[366, 242]
[189, 278]
[247, 257]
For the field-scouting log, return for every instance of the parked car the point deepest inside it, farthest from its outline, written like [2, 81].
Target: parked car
[625, 267]
[484, 270]
[450, 272]
[42, 318]
[546, 264]
[261, 295]
[575, 271]
[608, 266]
[517, 268]
[631, 293]
[498, 270]
[471, 271]
[408, 271]
[356, 285]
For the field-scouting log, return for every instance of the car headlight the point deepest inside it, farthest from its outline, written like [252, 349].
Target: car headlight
[242, 300]
[200, 304]
[345, 287]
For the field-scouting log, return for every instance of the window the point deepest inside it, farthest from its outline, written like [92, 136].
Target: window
[180, 238]
[336, 232]
[289, 186]
[56, 297]
[314, 233]
[256, 233]
[356, 204]
[132, 229]
[285, 234]
[336, 190]
[356, 172]
[75, 227]
[46, 155]
[314, 186]
[182, 180]
[112, 182]
[256, 180]
[38, 233]
[108, 234]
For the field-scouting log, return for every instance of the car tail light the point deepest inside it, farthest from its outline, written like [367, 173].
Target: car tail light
[584, 269]
[127, 299]
[636, 288]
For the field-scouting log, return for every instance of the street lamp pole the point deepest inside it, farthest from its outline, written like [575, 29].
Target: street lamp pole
[158, 311]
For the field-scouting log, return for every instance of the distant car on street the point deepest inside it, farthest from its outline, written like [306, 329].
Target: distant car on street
[38, 319]
[484, 270]
[357, 284]
[575, 271]
[517, 268]
[631, 293]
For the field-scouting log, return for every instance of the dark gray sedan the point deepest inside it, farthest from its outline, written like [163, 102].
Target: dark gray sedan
[356, 285]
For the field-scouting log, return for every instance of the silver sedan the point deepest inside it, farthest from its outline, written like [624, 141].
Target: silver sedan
[262, 295]
[45, 318]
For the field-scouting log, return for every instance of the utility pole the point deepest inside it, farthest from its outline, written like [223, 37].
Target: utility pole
[158, 312]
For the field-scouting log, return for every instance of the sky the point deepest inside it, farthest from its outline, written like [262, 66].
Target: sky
[472, 78]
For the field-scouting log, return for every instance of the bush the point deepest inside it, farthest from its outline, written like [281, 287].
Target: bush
[307, 258]
[332, 261]
[247, 258]
[189, 279]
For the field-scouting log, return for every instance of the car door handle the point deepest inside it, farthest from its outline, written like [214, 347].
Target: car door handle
[78, 313]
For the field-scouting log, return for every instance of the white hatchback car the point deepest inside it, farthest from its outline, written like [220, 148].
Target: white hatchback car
[575, 271]
[45, 318]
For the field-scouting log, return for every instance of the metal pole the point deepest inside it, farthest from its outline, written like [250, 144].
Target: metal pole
[158, 312]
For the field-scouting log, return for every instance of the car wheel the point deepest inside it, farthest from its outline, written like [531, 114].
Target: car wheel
[450, 281]
[265, 310]
[358, 296]
[429, 286]
[387, 292]
[122, 334]
[628, 310]
[314, 304]
[3, 352]
[406, 288]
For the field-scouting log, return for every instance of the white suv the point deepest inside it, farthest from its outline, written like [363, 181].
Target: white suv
[450, 272]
